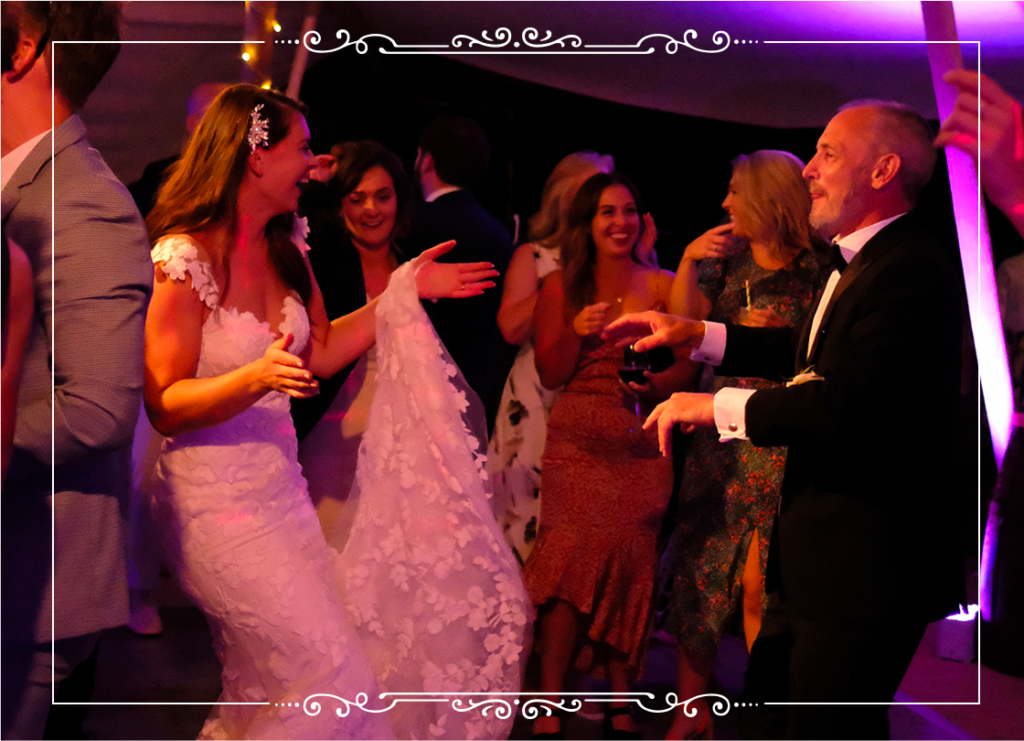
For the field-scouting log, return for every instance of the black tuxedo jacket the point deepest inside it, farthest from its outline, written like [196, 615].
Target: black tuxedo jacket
[468, 327]
[867, 518]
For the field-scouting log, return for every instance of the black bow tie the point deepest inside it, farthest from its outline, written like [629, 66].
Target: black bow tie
[838, 261]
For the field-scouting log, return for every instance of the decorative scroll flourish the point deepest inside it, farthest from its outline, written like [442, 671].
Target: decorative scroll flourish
[647, 45]
[502, 708]
[532, 34]
[312, 706]
[532, 705]
[501, 38]
[719, 704]
[532, 708]
[531, 41]
[312, 38]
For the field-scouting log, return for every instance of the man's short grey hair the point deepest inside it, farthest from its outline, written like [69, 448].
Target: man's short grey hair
[900, 130]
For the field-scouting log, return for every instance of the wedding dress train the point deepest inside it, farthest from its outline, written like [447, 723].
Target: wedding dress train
[425, 598]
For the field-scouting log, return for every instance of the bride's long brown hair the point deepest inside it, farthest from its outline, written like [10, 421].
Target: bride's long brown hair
[202, 187]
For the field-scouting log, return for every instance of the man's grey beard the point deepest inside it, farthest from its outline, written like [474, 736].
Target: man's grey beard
[824, 223]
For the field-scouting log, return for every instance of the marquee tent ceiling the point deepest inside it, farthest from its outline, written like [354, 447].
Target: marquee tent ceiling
[739, 76]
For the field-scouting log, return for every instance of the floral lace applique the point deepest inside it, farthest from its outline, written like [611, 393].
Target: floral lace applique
[434, 591]
[300, 233]
[295, 322]
[425, 598]
[177, 254]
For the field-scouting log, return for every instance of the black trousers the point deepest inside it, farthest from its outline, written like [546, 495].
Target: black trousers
[795, 660]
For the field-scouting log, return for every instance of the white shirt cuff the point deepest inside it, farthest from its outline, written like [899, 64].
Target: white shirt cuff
[731, 413]
[712, 347]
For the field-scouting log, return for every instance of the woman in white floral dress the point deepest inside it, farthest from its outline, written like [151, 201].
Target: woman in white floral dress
[235, 327]
[520, 429]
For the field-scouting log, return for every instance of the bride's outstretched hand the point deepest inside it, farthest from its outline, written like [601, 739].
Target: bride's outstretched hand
[451, 280]
[279, 370]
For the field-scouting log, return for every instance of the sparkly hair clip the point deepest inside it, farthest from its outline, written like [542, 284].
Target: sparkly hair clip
[257, 129]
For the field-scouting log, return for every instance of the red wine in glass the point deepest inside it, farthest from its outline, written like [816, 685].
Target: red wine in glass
[635, 374]
[633, 366]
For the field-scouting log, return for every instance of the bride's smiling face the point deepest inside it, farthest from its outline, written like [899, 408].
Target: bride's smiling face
[287, 164]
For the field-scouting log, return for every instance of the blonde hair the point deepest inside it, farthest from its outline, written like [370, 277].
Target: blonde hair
[776, 199]
[548, 226]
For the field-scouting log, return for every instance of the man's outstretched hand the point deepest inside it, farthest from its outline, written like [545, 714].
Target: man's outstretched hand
[689, 411]
[647, 330]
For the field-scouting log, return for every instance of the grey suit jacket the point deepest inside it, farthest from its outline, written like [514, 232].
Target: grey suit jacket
[72, 441]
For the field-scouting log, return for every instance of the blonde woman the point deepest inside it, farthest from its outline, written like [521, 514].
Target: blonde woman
[758, 269]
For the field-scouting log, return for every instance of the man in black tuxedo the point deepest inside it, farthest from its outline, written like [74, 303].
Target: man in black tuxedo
[453, 156]
[864, 552]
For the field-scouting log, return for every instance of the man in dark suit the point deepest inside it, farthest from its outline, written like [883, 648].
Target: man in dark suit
[82, 384]
[864, 553]
[453, 156]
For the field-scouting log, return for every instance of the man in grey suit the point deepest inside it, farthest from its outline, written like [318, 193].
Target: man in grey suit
[93, 278]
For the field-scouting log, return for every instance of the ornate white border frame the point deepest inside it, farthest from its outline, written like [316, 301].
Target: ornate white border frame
[502, 43]
[531, 704]
[506, 704]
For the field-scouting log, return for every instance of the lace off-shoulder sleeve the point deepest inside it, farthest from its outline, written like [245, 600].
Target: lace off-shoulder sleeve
[176, 255]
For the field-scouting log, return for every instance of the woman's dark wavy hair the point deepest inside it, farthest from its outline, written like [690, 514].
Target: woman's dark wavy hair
[578, 252]
[354, 160]
[202, 187]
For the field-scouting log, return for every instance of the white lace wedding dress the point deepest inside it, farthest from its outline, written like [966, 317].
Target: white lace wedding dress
[426, 598]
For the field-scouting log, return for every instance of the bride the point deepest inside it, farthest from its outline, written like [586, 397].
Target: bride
[424, 599]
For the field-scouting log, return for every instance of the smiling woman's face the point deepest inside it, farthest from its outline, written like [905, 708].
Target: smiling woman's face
[616, 226]
[369, 211]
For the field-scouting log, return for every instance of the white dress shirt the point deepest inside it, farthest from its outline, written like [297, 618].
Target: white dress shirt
[435, 194]
[11, 161]
[730, 403]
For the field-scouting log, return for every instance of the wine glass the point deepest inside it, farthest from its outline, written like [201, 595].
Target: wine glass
[633, 366]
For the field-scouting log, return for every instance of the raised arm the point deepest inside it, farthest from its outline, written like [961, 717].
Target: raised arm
[557, 344]
[335, 344]
[983, 107]
[515, 316]
[686, 298]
